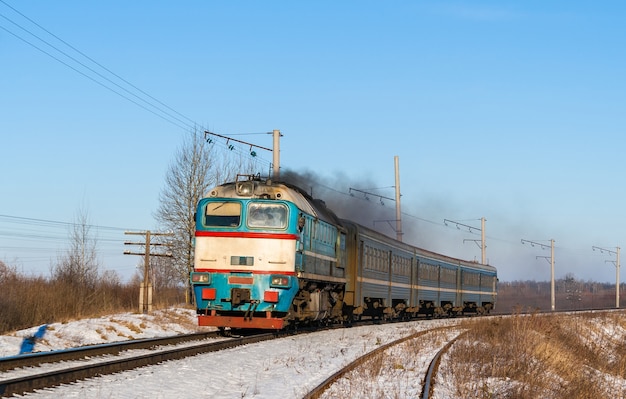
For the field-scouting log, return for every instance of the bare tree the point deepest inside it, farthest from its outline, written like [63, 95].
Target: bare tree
[186, 180]
[79, 265]
[7, 272]
[194, 170]
[162, 275]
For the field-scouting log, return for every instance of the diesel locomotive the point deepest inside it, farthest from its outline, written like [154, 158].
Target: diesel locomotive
[268, 255]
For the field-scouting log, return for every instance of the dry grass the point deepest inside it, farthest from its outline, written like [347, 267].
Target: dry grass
[569, 356]
[547, 356]
[30, 301]
[391, 373]
[167, 316]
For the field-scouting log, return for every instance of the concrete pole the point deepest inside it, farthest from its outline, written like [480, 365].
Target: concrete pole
[482, 240]
[276, 155]
[617, 280]
[398, 209]
[552, 274]
[146, 275]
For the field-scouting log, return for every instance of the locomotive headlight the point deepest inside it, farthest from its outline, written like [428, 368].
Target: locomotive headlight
[200, 278]
[280, 281]
[245, 189]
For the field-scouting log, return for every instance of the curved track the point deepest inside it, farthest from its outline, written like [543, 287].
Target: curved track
[319, 391]
[429, 379]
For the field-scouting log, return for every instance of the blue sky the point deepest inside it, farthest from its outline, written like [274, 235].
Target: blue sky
[512, 111]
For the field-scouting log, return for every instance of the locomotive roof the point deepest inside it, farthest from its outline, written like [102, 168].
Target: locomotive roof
[255, 187]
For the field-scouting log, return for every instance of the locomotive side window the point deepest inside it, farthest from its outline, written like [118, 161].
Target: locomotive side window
[222, 214]
[264, 215]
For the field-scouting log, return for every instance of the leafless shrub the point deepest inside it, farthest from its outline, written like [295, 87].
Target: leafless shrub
[27, 301]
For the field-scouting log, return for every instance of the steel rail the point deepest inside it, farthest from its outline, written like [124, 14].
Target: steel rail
[429, 378]
[114, 348]
[50, 379]
[316, 392]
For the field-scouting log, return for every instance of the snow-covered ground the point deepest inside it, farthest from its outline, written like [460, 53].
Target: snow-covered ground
[283, 368]
[104, 329]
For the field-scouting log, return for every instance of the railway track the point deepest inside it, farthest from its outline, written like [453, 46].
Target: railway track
[108, 359]
[256, 373]
[366, 363]
[27, 373]
[37, 378]
[431, 374]
[38, 358]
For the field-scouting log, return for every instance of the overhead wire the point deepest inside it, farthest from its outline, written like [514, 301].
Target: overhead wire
[412, 216]
[143, 100]
[157, 110]
[96, 62]
[52, 238]
[89, 77]
[167, 116]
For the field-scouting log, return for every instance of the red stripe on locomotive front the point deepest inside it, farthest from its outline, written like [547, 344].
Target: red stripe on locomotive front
[240, 234]
[224, 271]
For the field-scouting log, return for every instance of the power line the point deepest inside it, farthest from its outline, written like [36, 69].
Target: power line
[25, 220]
[88, 77]
[88, 68]
[164, 114]
[148, 104]
[36, 241]
[95, 62]
[51, 236]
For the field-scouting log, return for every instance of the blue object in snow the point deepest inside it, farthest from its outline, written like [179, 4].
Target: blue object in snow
[28, 344]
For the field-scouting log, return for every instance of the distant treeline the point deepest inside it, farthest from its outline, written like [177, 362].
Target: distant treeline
[569, 294]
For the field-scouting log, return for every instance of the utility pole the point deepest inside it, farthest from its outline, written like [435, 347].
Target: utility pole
[276, 155]
[398, 219]
[543, 246]
[145, 290]
[616, 263]
[398, 210]
[471, 229]
[482, 240]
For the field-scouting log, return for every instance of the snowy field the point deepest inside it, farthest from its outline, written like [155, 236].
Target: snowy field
[119, 327]
[290, 367]
[283, 368]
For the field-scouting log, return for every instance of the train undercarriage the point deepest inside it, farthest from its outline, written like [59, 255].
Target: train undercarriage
[322, 302]
[318, 302]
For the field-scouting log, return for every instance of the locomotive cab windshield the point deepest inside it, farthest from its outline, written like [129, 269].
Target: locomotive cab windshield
[258, 214]
[222, 214]
[266, 215]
